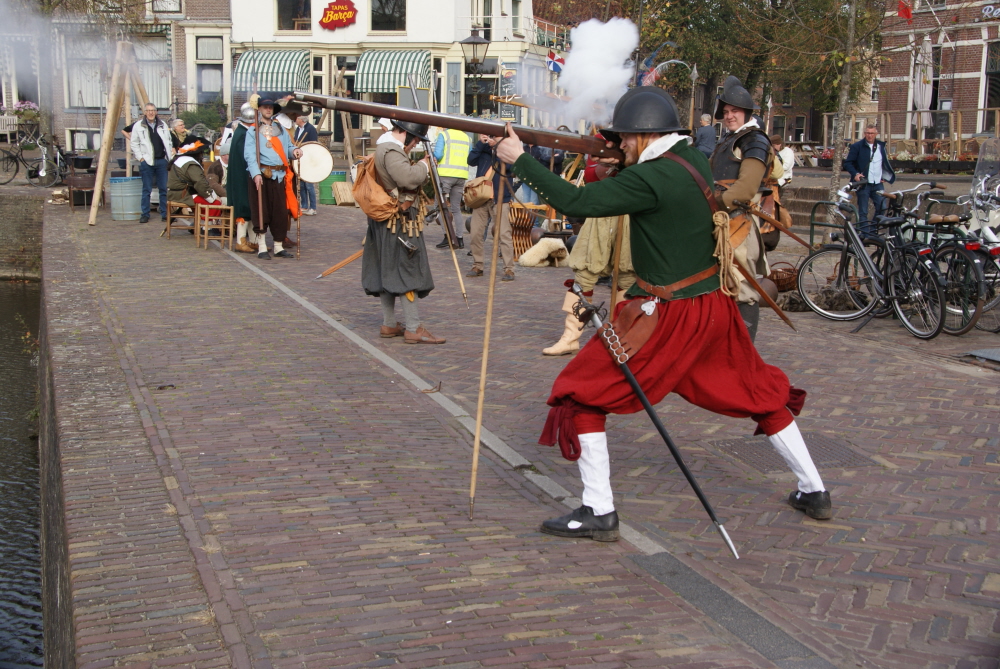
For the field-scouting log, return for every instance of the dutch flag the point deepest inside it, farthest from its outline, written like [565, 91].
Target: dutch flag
[554, 63]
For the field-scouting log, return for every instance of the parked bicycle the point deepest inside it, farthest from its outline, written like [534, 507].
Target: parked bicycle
[853, 279]
[47, 171]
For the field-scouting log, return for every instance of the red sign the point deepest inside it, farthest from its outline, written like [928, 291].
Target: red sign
[338, 15]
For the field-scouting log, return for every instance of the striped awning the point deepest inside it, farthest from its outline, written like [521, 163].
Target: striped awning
[385, 71]
[276, 71]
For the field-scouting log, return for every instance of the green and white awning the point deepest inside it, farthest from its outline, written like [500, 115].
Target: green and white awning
[385, 71]
[275, 70]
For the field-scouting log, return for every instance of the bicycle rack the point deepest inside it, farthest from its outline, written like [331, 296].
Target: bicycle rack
[813, 222]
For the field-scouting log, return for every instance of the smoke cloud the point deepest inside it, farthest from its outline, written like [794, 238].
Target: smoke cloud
[598, 68]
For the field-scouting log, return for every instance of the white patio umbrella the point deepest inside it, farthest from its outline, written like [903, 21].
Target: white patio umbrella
[923, 83]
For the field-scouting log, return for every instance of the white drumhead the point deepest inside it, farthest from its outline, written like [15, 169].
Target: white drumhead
[316, 162]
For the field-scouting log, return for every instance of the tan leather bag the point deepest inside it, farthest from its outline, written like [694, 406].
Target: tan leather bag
[368, 192]
[478, 191]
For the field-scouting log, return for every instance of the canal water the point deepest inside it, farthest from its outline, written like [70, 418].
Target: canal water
[20, 561]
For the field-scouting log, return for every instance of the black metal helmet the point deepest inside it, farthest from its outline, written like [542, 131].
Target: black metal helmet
[734, 94]
[418, 130]
[644, 109]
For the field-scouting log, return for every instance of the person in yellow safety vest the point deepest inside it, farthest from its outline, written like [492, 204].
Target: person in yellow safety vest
[451, 151]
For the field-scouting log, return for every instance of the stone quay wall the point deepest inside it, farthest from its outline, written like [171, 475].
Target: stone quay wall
[21, 235]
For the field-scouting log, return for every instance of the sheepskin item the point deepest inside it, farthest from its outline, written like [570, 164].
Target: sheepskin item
[548, 251]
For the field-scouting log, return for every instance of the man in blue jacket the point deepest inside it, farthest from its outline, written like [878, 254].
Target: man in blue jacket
[483, 157]
[867, 159]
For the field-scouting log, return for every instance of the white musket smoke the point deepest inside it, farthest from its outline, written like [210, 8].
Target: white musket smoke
[598, 69]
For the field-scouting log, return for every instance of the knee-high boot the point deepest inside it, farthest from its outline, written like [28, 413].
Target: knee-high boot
[570, 340]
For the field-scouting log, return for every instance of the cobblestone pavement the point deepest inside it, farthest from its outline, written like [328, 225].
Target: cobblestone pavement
[323, 498]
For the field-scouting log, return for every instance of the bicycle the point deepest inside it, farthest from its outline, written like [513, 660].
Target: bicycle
[44, 171]
[842, 282]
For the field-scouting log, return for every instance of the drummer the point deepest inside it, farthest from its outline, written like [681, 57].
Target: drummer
[306, 132]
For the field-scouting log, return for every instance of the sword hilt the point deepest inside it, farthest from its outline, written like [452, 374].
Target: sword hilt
[585, 311]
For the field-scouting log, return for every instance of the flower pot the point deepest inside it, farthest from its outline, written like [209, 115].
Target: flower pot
[82, 162]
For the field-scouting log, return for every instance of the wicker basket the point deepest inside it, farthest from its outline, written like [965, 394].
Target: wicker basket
[785, 276]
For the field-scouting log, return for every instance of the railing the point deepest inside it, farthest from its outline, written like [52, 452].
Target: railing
[952, 132]
[543, 33]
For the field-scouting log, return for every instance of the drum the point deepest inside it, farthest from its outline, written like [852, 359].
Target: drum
[316, 162]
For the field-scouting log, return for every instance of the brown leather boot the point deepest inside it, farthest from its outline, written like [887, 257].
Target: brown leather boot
[387, 331]
[288, 243]
[569, 342]
[242, 246]
[421, 336]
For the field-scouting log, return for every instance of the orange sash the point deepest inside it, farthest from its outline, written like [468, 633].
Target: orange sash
[291, 201]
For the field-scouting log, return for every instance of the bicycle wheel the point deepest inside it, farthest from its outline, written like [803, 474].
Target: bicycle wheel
[835, 290]
[916, 295]
[989, 320]
[8, 166]
[963, 291]
[36, 176]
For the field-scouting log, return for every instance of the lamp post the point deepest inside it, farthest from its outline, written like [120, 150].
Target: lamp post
[474, 50]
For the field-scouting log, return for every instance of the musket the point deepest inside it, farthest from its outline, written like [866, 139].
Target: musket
[595, 320]
[555, 139]
[449, 230]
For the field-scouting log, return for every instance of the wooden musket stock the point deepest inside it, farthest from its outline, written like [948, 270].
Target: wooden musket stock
[550, 138]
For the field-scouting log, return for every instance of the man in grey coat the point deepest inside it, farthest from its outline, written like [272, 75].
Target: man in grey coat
[704, 137]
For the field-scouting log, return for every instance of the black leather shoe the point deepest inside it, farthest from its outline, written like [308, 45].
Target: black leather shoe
[582, 523]
[263, 255]
[284, 254]
[443, 244]
[461, 243]
[815, 504]
[144, 219]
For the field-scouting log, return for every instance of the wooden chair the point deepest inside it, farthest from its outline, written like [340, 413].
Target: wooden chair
[221, 221]
[522, 220]
[172, 217]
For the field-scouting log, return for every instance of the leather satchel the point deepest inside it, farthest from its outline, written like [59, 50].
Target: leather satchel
[368, 192]
[478, 191]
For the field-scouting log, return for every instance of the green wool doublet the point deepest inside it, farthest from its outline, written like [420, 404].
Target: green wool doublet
[671, 223]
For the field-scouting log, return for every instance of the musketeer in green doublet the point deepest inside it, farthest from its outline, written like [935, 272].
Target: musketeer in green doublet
[671, 223]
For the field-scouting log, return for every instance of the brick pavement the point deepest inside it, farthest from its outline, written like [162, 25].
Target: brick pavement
[323, 499]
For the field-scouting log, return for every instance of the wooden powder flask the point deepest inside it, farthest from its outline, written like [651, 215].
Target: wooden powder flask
[568, 141]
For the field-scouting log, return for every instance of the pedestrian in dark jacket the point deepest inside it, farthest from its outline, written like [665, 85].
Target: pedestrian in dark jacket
[867, 159]
[704, 137]
[483, 157]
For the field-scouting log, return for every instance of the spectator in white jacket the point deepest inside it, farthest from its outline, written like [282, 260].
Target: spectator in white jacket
[787, 157]
[152, 147]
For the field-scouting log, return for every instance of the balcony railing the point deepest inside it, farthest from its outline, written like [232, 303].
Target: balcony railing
[548, 35]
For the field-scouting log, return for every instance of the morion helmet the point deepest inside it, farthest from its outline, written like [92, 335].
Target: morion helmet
[734, 94]
[418, 130]
[644, 109]
[247, 113]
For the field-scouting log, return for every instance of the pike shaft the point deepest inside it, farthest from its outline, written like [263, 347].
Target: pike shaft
[553, 139]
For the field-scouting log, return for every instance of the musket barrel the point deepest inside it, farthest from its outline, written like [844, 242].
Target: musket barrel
[550, 138]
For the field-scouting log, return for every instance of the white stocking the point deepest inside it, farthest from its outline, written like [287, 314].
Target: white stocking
[595, 470]
[792, 447]
[261, 243]
[252, 237]
[278, 248]
[241, 230]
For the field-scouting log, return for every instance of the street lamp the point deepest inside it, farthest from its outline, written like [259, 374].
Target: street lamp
[474, 50]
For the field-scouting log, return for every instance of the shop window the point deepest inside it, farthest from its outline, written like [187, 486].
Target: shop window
[294, 14]
[389, 15]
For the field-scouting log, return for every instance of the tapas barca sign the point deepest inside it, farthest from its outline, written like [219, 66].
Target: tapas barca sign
[339, 14]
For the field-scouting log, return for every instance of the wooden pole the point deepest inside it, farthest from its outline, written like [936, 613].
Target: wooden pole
[486, 341]
[115, 96]
[343, 263]
[616, 260]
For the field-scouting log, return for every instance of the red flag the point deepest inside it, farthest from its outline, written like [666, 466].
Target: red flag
[904, 11]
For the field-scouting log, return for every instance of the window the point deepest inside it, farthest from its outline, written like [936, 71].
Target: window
[347, 62]
[318, 78]
[209, 48]
[294, 15]
[83, 72]
[479, 89]
[389, 15]
[778, 126]
[874, 90]
[153, 55]
[786, 96]
[317, 63]
[167, 6]
[515, 15]
[992, 84]
[800, 128]
[930, 4]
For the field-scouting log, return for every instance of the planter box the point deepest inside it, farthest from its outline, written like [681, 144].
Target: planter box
[900, 165]
[962, 166]
[932, 165]
[825, 162]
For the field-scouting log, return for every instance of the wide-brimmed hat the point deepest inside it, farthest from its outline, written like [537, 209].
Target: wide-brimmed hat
[268, 101]
[192, 145]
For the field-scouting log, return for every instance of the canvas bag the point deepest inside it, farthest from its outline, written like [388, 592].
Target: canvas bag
[369, 193]
[478, 191]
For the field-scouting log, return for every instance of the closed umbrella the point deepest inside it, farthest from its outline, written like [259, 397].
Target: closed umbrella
[923, 83]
